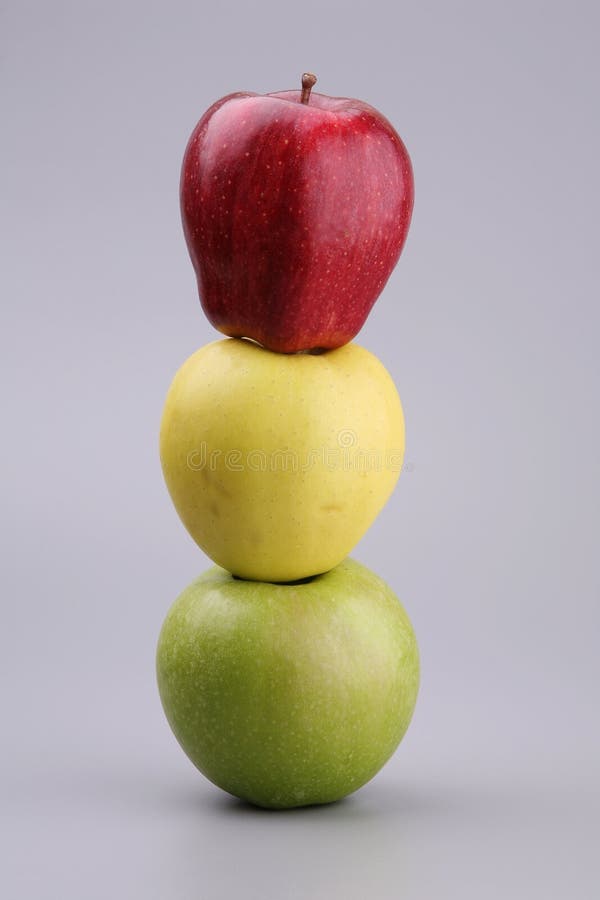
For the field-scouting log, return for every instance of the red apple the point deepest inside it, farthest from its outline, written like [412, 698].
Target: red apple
[295, 209]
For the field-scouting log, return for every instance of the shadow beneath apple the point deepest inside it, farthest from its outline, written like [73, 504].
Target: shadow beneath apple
[225, 804]
[399, 801]
[188, 796]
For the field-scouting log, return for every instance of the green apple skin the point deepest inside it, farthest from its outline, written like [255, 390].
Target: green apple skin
[261, 453]
[288, 695]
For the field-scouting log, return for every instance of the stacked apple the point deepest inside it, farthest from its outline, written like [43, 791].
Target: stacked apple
[288, 672]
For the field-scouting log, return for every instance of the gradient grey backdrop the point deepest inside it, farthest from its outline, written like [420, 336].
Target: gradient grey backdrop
[489, 327]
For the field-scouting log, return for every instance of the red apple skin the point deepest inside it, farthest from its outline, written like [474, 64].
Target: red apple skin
[294, 215]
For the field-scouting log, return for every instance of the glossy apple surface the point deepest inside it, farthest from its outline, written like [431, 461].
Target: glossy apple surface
[294, 215]
[277, 464]
[288, 695]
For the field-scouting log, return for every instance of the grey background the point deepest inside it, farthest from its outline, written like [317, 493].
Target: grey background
[489, 327]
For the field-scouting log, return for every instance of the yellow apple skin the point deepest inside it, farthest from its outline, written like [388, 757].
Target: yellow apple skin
[278, 464]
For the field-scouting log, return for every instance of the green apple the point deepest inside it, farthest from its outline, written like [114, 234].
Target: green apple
[288, 695]
[277, 464]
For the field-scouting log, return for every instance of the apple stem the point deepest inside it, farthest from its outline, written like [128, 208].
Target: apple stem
[308, 82]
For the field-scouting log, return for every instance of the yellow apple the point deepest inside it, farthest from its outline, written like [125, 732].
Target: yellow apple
[277, 464]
